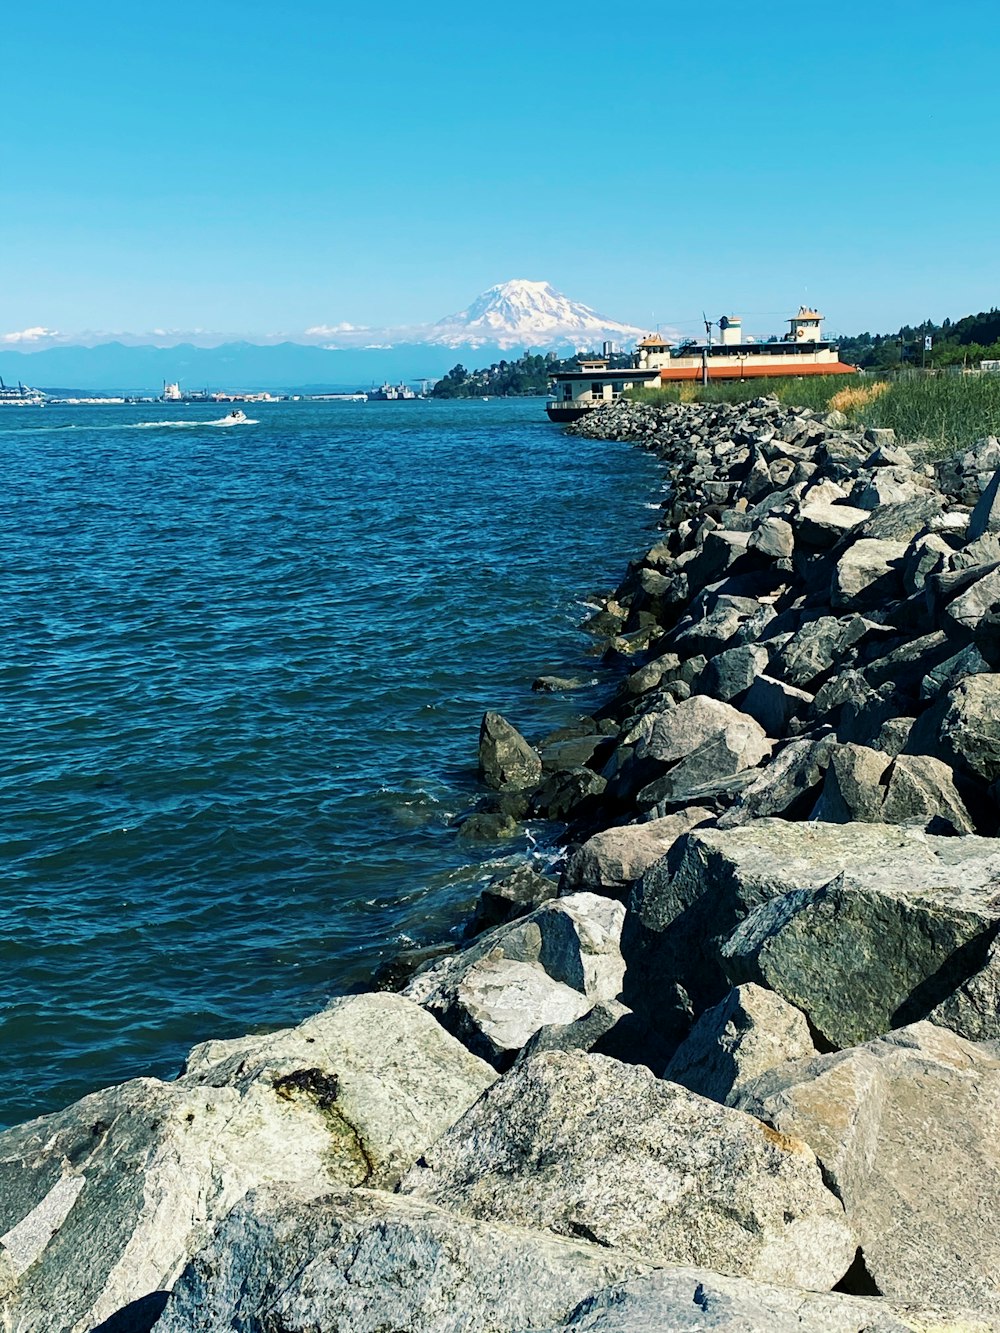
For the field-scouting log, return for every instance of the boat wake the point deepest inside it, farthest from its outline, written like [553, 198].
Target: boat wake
[192, 425]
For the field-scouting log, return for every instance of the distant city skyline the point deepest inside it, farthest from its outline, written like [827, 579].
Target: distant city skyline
[225, 168]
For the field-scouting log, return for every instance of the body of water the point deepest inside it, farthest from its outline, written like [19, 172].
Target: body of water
[242, 671]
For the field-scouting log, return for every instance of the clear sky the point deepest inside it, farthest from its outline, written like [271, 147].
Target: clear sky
[260, 167]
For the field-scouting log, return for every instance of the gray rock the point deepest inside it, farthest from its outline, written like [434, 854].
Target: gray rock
[661, 739]
[610, 1028]
[717, 765]
[506, 760]
[853, 790]
[964, 612]
[612, 860]
[712, 625]
[571, 752]
[785, 785]
[366, 1262]
[773, 704]
[903, 520]
[567, 794]
[509, 897]
[102, 1204]
[973, 1009]
[886, 486]
[585, 1146]
[893, 735]
[774, 538]
[963, 728]
[906, 1128]
[667, 737]
[814, 649]
[821, 524]
[884, 440]
[868, 575]
[731, 673]
[751, 1031]
[921, 790]
[925, 556]
[685, 1300]
[550, 967]
[685, 907]
[986, 515]
[860, 961]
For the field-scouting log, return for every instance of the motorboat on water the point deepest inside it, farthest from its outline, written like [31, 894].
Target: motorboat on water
[235, 416]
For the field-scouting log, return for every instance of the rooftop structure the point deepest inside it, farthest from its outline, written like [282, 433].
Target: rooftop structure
[657, 362]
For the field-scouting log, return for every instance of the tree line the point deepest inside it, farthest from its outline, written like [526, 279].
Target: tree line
[963, 342]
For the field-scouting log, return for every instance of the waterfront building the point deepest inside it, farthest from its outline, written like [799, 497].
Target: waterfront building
[21, 396]
[658, 363]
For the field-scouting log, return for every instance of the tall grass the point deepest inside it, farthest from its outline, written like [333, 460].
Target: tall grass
[937, 413]
[940, 412]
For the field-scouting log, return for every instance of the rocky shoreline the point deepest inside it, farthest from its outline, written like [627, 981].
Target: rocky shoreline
[738, 1068]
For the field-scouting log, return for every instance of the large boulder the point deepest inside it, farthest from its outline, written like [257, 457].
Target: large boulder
[868, 575]
[549, 967]
[686, 906]
[612, 860]
[101, 1205]
[506, 760]
[963, 728]
[861, 960]
[664, 740]
[587, 1147]
[907, 1128]
[787, 786]
[368, 1262]
[749, 1032]
[691, 1300]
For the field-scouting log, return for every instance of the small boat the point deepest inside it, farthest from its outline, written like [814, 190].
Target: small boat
[235, 416]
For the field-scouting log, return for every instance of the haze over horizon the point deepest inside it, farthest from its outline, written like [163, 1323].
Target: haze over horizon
[208, 168]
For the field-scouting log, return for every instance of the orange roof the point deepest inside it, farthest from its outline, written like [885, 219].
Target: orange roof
[735, 371]
[654, 340]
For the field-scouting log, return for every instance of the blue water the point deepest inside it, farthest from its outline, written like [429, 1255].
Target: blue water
[241, 677]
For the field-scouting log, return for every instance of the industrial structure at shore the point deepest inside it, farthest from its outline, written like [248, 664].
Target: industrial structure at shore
[658, 363]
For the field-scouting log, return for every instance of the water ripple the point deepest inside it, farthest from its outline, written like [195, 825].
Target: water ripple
[241, 677]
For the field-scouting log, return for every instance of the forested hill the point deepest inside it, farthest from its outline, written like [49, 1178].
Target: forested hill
[528, 375]
[964, 342]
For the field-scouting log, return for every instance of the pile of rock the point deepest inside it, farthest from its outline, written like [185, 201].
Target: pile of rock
[737, 1069]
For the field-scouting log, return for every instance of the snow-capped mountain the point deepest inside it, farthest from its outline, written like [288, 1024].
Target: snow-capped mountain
[521, 313]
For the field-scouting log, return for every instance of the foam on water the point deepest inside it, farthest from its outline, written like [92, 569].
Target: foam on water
[241, 681]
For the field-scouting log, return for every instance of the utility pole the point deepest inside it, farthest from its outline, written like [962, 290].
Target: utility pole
[706, 349]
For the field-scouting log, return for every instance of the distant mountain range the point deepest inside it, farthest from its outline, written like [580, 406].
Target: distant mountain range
[515, 315]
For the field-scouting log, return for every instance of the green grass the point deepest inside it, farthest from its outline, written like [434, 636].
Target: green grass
[937, 413]
[814, 392]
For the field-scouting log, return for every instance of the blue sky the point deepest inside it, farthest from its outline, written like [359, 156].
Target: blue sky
[254, 167]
